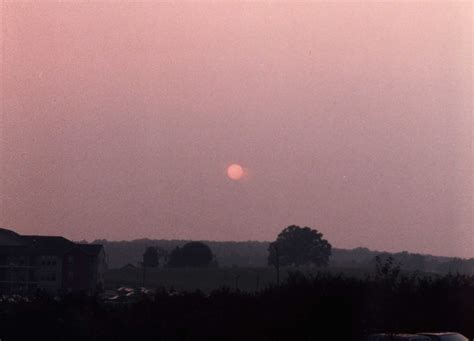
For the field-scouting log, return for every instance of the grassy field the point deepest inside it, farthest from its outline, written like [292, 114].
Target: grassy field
[208, 279]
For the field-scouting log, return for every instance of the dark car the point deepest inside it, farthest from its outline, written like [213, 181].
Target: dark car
[398, 337]
[445, 336]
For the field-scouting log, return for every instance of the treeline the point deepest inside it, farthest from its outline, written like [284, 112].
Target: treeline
[365, 258]
[228, 254]
[318, 307]
[255, 254]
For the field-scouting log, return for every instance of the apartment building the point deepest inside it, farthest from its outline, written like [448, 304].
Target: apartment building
[49, 263]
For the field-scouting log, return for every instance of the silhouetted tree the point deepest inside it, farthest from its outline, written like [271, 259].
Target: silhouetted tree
[386, 268]
[299, 246]
[275, 259]
[214, 263]
[153, 255]
[150, 257]
[193, 254]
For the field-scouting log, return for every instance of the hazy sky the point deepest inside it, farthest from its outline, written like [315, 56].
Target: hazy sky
[119, 121]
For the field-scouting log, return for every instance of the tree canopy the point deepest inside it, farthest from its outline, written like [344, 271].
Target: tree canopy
[193, 254]
[152, 256]
[299, 246]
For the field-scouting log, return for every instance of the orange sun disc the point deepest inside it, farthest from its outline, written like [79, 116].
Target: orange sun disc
[235, 171]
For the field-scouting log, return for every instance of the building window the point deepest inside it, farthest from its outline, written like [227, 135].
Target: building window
[47, 277]
[70, 259]
[48, 261]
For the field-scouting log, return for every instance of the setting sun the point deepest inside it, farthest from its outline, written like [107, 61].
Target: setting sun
[235, 172]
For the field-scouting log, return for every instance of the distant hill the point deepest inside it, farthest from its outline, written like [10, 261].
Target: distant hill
[254, 254]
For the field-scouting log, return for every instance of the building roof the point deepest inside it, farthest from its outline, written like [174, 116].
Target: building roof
[128, 266]
[48, 245]
[9, 232]
[91, 249]
[10, 238]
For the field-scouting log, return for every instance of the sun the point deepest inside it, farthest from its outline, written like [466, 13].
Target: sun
[235, 172]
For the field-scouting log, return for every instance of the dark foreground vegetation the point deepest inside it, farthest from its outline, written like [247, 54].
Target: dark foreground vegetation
[322, 306]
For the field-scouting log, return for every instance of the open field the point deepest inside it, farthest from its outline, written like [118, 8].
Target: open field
[208, 279]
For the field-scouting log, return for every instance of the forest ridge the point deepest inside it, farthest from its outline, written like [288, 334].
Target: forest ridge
[255, 254]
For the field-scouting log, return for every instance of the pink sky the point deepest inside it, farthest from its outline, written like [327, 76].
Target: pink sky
[118, 121]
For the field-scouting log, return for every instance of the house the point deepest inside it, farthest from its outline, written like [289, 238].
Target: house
[128, 266]
[48, 263]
